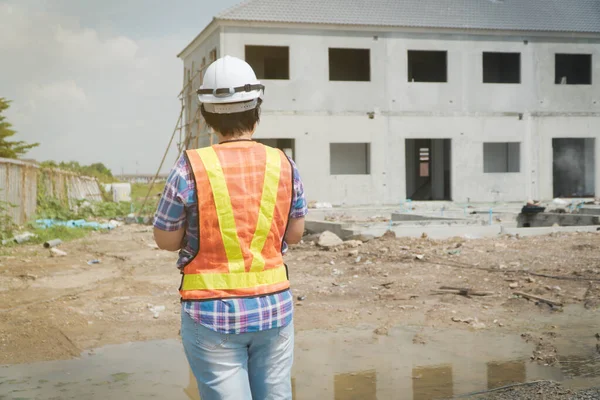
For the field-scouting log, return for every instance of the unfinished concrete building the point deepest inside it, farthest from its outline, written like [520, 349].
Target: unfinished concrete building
[379, 101]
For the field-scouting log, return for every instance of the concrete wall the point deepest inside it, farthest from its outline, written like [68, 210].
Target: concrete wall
[193, 64]
[316, 112]
[309, 89]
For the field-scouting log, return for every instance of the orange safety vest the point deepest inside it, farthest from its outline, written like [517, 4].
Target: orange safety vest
[244, 192]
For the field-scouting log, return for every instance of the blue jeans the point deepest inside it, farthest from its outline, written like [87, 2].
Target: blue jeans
[247, 366]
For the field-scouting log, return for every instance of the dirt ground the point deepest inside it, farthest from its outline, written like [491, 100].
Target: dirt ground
[55, 307]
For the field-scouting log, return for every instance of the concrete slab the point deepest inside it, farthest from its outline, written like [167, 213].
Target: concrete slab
[437, 232]
[402, 217]
[590, 210]
[473, 232]
[550, 219]
[334, 227]
[548, 230]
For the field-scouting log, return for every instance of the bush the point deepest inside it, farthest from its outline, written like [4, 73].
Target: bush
[7, 227]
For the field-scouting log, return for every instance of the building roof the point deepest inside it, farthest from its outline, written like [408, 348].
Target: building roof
[579, 16]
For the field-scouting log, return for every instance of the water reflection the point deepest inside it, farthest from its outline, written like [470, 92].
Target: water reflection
[342, 365]
[504, 373]
[437, 382]
[355, 386]
[432, 382]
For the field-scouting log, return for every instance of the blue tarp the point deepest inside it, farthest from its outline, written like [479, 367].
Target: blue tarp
[80, 223]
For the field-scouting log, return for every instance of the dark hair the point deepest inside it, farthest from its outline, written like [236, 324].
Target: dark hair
[232, 125]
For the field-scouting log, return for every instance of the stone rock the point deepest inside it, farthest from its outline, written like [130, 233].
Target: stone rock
[57, 252]
[514, 285]
[328, 239]
[353, 243]
[313, 237]
[362, 237]
[389, 235]
[381, 331]
[478, 325]
[353, 253]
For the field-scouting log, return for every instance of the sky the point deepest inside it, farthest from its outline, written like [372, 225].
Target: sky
[97, 80]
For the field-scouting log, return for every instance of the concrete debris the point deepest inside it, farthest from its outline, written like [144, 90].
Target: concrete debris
[473, 322]
[418, 339]
[353, 243]
[389, 235]
[329, 239]
[115, 223]
[353, 253]
[57, 252]
[381, 331]
[478, 325]
[545, 352]
[21, 238]
[52, 243]
[419, 256]
[319, 205]
[592, 297]
[362, 237]
[156, 310]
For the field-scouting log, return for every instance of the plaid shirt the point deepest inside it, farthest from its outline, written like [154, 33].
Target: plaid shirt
[177, 207]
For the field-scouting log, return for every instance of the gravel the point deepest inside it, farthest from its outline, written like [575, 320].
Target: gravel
[538, 391]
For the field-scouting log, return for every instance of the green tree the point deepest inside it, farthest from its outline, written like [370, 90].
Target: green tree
[101, 169]
[10, 149]
[96, 170]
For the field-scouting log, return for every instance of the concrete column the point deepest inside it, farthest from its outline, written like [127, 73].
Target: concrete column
[410, 164]
[437, 169]
[590, 165]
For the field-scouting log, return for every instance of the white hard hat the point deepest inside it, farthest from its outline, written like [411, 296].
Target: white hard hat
[230, 86]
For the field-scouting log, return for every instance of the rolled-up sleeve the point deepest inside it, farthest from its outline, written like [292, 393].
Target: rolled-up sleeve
[299, 206]
[171, 213]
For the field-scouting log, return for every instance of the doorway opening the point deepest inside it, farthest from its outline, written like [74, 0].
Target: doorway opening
[573, 166]
[288, 146]
[428, 172]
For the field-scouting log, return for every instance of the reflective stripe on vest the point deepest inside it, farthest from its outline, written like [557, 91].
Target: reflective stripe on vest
[237, 277]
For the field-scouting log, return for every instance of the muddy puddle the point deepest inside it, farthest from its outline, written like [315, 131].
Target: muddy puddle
[347, 364]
